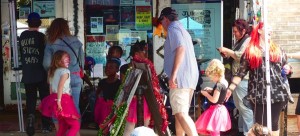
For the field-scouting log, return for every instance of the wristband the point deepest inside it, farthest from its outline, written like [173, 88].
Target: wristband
[233, 83]
[58, 100]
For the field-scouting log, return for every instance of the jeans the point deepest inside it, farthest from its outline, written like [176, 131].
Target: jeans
[245, 120]
[31, 98]
[76, 85]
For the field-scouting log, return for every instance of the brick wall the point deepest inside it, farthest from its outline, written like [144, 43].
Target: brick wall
[284, 19]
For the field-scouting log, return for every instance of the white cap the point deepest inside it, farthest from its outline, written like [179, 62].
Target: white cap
[143, 131]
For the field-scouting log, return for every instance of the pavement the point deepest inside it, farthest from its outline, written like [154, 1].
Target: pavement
[9, 125]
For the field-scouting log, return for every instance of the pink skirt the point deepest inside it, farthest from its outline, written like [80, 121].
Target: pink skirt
[102, 109]
[215, 119]
[132, 112]
[48, 107]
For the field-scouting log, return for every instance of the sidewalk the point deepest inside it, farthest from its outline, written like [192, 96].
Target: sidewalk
[9, 126]
[83, 132]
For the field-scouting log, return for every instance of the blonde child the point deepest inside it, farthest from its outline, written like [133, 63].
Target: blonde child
[59, 104]
[259, 130]
[216, 118]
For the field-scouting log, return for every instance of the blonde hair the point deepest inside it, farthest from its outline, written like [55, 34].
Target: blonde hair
[260, 130]
[215, 68]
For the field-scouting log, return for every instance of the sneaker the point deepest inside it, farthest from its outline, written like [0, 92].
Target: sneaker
[30, 125]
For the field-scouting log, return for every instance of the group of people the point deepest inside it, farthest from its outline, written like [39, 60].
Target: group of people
[58, 62]
[57, 57]
[248, 84]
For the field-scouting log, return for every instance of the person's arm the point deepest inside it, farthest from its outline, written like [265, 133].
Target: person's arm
[60, 87]
[293, 55]
[179, 55]
[47, 58]
[214, 98]
[81, 56]
[88, 81]
[236, 55]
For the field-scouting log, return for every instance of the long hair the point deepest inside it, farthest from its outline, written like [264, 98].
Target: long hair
[55, 63]
[254, 51]
[58, 28]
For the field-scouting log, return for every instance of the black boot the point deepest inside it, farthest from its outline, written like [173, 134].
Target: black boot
[30, 125]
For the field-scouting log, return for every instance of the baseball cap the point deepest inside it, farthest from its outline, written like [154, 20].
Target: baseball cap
[166, 12]
[33, 16]
[143, 131]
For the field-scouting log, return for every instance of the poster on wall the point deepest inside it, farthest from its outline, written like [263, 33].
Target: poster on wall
[126, 2]
[96, 48]
[127, 17]
[143, 18]
[102, 2]
[44, 8]
[112, 32]
[125, 37]
[24, 12]
[203, 21]
[96, 24]
[138, 36]
[111, 16]
[142, 2]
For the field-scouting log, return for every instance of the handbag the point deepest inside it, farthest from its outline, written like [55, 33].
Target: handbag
[81, 73]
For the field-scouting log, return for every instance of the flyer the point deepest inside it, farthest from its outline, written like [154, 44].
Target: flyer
[44, 8]
[112, 32]
[24, 12]
[96, 24]
[143, 18]
[127, 17]
[126, 2]
[96, 48]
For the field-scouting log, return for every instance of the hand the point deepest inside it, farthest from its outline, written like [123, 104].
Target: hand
[228, 94]
[172, 84]
[287, 69]
[59, 108]
[207, 89]
[223, 51]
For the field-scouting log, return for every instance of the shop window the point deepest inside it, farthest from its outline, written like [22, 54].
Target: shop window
[116, 23]
[203, 20]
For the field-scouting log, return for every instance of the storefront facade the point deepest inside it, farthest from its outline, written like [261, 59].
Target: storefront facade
[99, 23]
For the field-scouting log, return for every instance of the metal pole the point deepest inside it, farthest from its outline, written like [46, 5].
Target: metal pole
[267, 61]
[16, 61]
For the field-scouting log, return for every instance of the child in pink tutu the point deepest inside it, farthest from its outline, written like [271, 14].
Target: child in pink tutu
[139, 49]
[108, 88]
[216, 118]
[59, 104]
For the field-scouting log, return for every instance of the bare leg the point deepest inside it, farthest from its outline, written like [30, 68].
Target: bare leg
[56, 126]
[186, 123]
[298, 123]
[179, 129]
[275, 133]
[128, 128]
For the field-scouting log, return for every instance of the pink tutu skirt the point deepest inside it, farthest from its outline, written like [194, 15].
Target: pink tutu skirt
[215, 119]
[48, 107]
[102, 109]
[132, 112]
